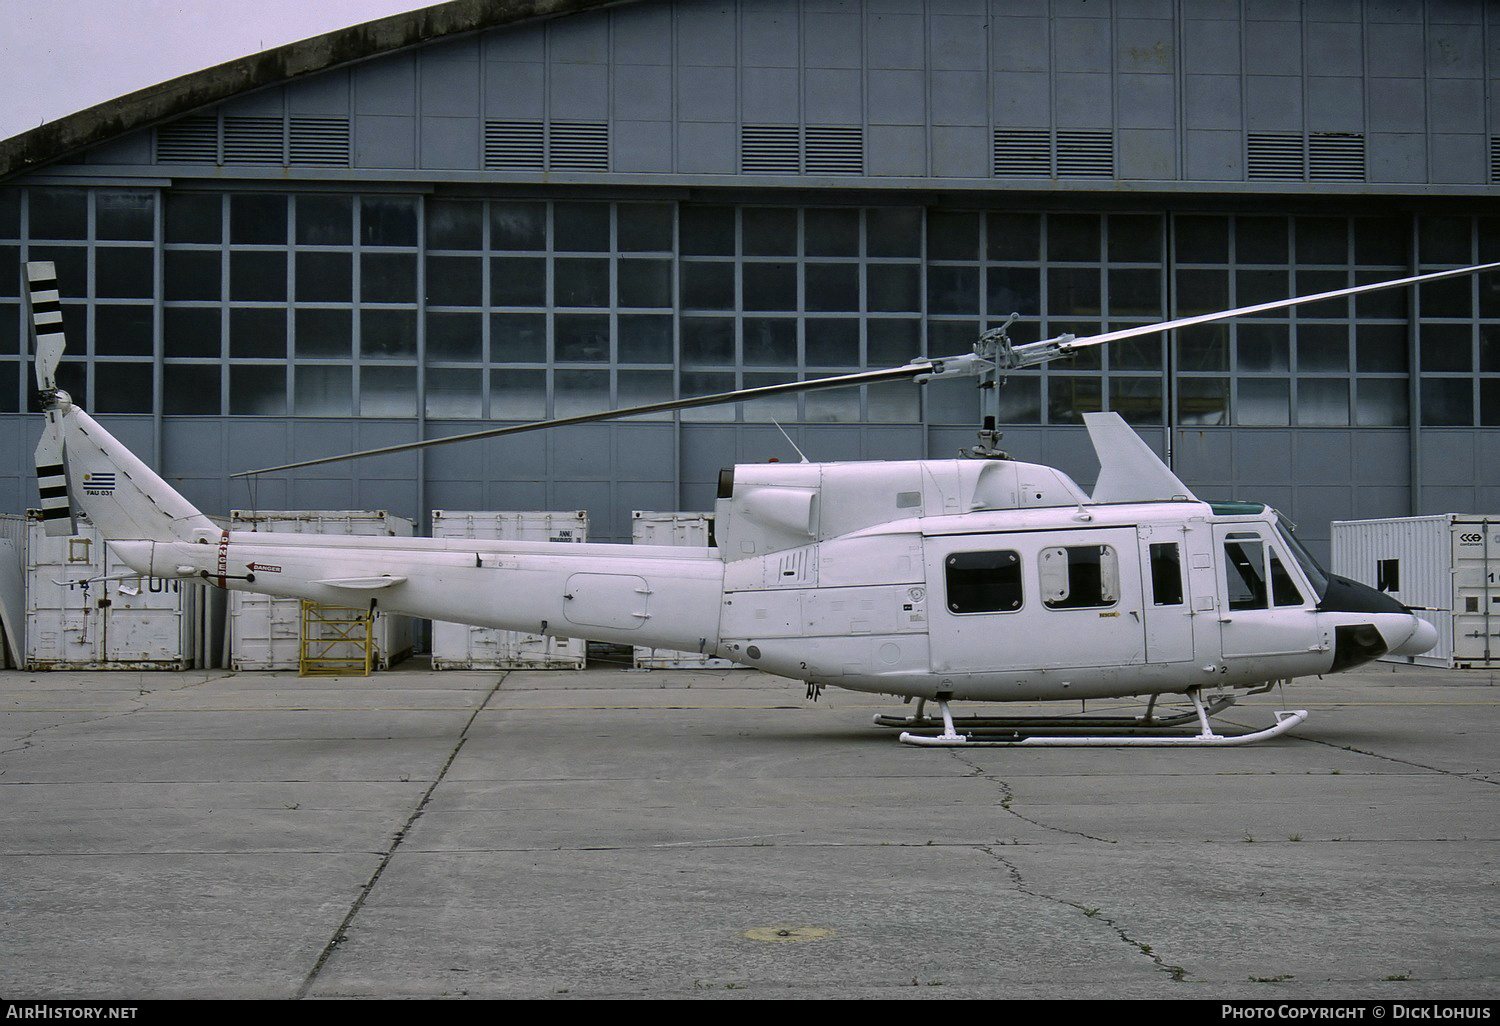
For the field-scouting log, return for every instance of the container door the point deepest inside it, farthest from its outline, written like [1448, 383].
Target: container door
[1476, 592]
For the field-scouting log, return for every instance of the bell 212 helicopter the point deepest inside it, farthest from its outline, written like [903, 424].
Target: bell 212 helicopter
[975, 579]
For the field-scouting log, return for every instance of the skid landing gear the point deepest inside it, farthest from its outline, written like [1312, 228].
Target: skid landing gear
[1148, 730]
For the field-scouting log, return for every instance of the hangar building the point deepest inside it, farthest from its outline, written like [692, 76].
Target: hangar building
[502, 211]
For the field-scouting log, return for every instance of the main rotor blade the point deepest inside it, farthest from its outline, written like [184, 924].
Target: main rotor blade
[1280, 304]
[909, 371]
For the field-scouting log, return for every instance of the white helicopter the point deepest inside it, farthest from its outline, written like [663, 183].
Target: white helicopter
[976, 579]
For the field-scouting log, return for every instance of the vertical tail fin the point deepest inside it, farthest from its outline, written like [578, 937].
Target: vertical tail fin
[51, 453]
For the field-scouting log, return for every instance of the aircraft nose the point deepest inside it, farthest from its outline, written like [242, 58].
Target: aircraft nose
[1422, 638]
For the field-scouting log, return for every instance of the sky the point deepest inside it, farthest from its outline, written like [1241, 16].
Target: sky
[61, 56]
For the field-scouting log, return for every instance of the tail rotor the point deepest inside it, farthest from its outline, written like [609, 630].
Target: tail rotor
[51, 453]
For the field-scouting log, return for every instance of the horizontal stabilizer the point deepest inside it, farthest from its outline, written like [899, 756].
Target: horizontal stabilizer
[1128, 470]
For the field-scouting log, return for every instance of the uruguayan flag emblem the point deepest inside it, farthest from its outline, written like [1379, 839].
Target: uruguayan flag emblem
[99, 483]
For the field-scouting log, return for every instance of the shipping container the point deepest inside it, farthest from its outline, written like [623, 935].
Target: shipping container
[684, 530]
[85, 610]
[1445, 567]
[12, 589]
[265, 633]
[457, 646]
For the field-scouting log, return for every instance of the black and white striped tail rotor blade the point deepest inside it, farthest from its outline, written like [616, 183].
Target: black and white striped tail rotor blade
[46, 321]
[51, 452]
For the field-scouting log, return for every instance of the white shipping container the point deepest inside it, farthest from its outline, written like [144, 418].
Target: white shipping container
[12, 589]
[1445, 567]
[687, 530]
[85, 610]
[265, 633]
[457, 646]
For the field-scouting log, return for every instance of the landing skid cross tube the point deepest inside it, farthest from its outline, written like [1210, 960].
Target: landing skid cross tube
[1081, 731]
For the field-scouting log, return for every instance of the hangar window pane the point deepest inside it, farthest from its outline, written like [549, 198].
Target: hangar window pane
[952, 290]
[1134, 292]
[770, 231]
[455, 281]
[518, 281]
[770, 286]
[1201, 291]
[1261, 285]
[518, 338]
[707, 286]
[1201, 240]
[520, 226]
[833, 288]
[580, 391]
[388, 335]
[1137, 399]
[894, 287]
[1134, 238]
[894, 231]
[1447, 347]
[1011, 290]
[257, 333]
[1381, 402]
[325, 220]
[1489, 402]
[983, 582]
[257, 220]
[58, 213]
[894, 342]
[325, 277]
[191, 274]
[1322, 348]
[580, 227]
[457, 337]
[1444, 240]
[518, 394]
[1452, 297]
[1322, 240]
[10, 284]
[125, 389]
[190, 331]
[123, 330]
[388, 277]
[1380, 348]
[1143, 353]
[190, 388]
[703, 383]
[832, 342]
[10, 382]
[1447, 402]
[125, 215]
[831, 232]
[644, 339]
[1322, 401]
[455, 224]
[1262, 347]
[1382, 240]
[257, 390]
[10, 214]
[1264, 402]
[324, 334]
[388, 221]
[193, 217]
[644, 227]
[772, 341]
[72, 264]
[952, 235]
[387, 392]
[1074, 291]
[645, 283]
[580, 282]
[706, 231]
[581, 338]
[1070, 396]
[1203, 402]
[1203, 347]
[1073, 237]
[454, 394]
[708, 342]
[323, 390]
[1015, 237]
[257, 276]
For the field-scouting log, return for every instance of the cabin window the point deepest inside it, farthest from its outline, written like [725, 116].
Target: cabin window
[1079, 576]
[983, 582]
[1284, 590]
[1245, 571]
[1166, 574]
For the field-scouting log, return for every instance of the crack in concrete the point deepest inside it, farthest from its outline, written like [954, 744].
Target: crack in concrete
[1178, 974]
[1007, 800]
[1481, 776]
[341, 932]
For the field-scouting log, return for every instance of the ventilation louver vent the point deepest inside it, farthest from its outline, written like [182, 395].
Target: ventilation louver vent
[578, 146]
[834, 151]
[536, 146]
[1037, 153]
[1023, 153]
[254, 140]
[1494, 159]
[1085, 155]
[189, 141]
[794, 150]
[1293, 157]
[1336, 156]
[514, 146]
[320, 142]
[770, 150]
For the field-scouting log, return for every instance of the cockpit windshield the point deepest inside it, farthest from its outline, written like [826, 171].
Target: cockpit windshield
[1316, 575]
